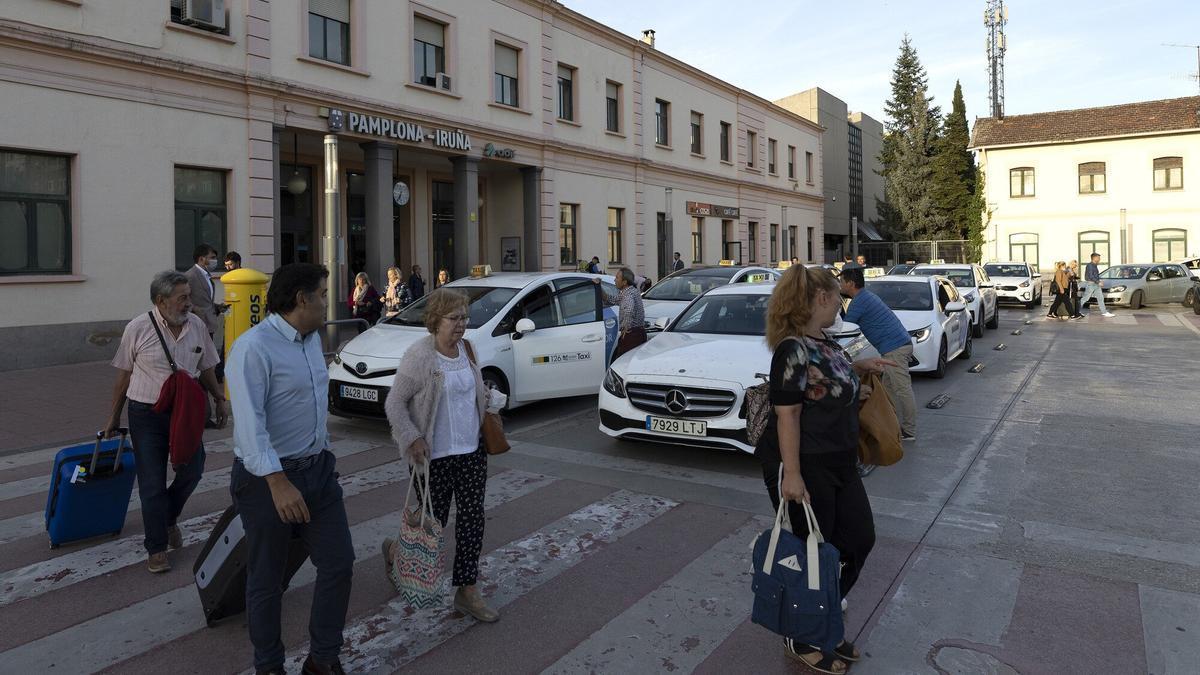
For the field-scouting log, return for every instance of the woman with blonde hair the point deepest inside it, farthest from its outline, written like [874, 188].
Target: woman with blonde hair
[1060, 286]
[395, 296]
[812, 433]
[436, 407]
[364, 299]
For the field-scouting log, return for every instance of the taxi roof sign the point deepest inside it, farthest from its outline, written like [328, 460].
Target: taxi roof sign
[725, 263]
[479, 271]
[938, 261]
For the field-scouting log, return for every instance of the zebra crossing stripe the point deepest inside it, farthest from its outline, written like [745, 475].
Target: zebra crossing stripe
[31, 524]
[89, 646]
[680, 623]
[396, 634]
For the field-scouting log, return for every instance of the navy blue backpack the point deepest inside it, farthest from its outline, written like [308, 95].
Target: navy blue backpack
[796, 592]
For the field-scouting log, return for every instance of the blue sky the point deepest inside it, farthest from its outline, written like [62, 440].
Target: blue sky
[1061, 54]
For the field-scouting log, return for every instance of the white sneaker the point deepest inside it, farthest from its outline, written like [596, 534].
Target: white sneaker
[1108, 314]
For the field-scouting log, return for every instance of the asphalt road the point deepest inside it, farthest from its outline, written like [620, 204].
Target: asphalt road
[1045, 521]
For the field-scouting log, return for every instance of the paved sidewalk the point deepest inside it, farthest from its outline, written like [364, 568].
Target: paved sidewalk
[58, 405]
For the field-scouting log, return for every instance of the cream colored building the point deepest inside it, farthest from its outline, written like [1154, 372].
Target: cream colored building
[1119, 180]
[517, 133]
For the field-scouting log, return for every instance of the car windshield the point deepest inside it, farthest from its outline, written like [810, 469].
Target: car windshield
[1125, 272]
[903, 296]
[725, 315]
[960, 278]
[484, 303]
[996, 270]
[687, 286]
[900, 269]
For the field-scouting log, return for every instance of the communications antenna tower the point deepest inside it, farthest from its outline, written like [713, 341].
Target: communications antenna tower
[995, 17]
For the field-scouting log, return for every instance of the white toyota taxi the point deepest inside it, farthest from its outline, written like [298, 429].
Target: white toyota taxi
[935, 316]
[536, 335]
[666, 299]
[687, 385]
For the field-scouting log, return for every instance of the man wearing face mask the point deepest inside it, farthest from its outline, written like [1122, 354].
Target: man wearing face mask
[204, 299]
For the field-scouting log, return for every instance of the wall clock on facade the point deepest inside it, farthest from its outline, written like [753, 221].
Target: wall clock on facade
[400, 193]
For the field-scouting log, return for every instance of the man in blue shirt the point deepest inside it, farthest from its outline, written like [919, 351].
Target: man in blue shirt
[887, 335]
[284, 482]
[1091, 286]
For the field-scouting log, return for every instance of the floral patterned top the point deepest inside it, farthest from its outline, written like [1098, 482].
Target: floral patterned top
[816, 374]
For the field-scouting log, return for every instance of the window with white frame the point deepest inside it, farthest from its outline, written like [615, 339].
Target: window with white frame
[808, 168]
[751, 148]
[725, 141]
[429, 50]
[792, 162]
[507, 81]
[662, 122]
[772, 147]
[697, 133]
[566, 93]
[329, 30]
[568, 215]
[616, 221]
[1168, 173]
[35, 213]
[612, 106]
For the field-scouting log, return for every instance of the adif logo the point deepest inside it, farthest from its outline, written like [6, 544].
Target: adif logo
[792, 563]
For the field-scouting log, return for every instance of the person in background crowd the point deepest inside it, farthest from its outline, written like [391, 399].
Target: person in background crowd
[795, 260]
[594, 266]
[645, 284]
[364, 299]
[882, 328]
[206, 306]
[1061, 288]
[436, 407]
[812, 433]
[676, 264]
[861, 260]
[443, 278]
[233, 261]
[416, 283]
[396, 295]
[1073, 274]
[1091, 286]
[284, 480]
[632, 319]
[143, 367]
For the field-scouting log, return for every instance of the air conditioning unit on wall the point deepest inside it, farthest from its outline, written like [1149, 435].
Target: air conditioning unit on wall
[443, 81]
[206, 14]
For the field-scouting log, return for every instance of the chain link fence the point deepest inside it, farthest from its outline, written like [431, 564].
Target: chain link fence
[888, 253]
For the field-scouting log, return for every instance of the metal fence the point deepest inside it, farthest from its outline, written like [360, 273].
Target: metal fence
[888, 253]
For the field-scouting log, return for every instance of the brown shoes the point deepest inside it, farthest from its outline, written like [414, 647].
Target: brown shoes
[158, 563]
[174, 537]
[468, 601]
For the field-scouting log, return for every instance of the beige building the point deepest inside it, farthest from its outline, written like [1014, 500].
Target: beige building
[1113, 180]
[517, 133]
[850, 168]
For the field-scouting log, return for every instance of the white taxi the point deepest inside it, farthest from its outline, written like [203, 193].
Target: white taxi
[687, 385]
[536, 335]
[666, 299]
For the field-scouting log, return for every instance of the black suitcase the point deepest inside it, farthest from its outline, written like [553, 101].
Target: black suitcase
[220, 569]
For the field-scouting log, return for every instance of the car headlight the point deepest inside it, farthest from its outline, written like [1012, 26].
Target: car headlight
[921, 334]
[613, 384]
[337, 358]
[1024, 284]
[1117, 289]
[969, 297]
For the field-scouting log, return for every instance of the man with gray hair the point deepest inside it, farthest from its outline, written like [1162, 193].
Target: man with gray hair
[154, 344]
[632, 319]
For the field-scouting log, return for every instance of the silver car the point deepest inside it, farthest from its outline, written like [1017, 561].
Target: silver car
[1137, 285]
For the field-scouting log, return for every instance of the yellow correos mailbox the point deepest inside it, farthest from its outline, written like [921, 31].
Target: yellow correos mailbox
[246, 295]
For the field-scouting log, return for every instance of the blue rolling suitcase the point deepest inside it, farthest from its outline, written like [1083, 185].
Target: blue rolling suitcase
[90, 488]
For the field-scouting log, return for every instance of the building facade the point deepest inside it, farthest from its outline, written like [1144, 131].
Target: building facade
[1118, 181]
[849, 167]
[515, 133]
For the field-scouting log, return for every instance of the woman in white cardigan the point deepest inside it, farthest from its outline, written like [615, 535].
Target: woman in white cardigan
[436, 408]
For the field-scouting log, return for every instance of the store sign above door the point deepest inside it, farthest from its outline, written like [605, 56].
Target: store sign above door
[373, 125]
[702, 209]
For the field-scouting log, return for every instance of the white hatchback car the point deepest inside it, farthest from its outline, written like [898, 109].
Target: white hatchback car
[1016, 282]
[977, 290]
[666, 299]
[687, 385]
[933, 313]
[536, 335]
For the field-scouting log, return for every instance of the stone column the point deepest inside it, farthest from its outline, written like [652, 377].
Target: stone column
[381, 238]
[466, 216]
[531, 252]
[277, 235]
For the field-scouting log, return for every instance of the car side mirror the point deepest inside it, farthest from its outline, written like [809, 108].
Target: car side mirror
[661, 323]
[525, 326]
[953, 307]
[846, 330]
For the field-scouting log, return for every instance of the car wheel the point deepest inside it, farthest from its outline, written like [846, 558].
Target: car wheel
[1135, 302]
[1190, 298]
[1196, 307]
[941, 366]
[977, 328]
[967, 348]
[494, 379]
[995, 322]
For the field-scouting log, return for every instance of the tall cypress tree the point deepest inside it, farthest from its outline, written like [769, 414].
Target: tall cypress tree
[954, 171]
[912, 125]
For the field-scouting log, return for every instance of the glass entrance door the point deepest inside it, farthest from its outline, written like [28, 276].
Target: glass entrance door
[443, 229]
[663, 253]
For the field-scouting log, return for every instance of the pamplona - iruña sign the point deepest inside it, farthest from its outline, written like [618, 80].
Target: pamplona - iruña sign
[386, 127]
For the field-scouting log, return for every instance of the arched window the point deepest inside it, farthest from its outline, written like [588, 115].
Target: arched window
[1170, 244]
[1168, 173]
[1020, 182]
[1094, 241]
[1091, 178]
[1023, 247]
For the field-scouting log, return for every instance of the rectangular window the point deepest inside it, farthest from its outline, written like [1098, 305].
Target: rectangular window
[662, 122]
[1023, 247]
[751, 148]
[808, 172]
[616, 219]
[567, 217]
[1169, 244]
[774, 256]
[808, 244]
[697, 133]
[697, 239]
[771, 152]
[792, 162]
[566, 93]
[1020, 182]
[35, 213]
[1168, 173]
[1094, 241]
[724, 141]
[753, 234]
[429, 50]
[506, 81]
[329, 30]
[612, 107]
[1091, 178]
[729, 248]
[200, 212]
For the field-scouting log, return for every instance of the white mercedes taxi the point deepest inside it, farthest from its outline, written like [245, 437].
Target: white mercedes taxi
[687, 385]
[536, 335]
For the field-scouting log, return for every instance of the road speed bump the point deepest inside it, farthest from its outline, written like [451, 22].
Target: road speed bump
[1000, 347]
[938, 401]
[1016, 332]
[1029, 322]
[978, 367]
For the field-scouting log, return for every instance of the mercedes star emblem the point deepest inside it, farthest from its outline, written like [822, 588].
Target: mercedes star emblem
[676, 401]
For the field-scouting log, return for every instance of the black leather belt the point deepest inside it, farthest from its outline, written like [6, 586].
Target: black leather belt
[299, 463]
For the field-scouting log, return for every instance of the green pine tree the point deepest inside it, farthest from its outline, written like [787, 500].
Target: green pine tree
[907, 109]
[909, 187]
[954, 171]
